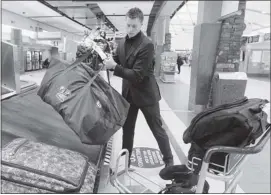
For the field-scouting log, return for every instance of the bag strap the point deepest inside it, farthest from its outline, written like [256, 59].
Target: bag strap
[49, 175]
[107, 73]
[78, 61]
[94, 77]
[81, 59]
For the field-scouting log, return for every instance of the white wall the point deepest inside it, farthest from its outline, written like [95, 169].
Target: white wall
[15, 20]
[6, 36]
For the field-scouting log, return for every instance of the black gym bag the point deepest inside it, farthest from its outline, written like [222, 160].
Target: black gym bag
[88, 104]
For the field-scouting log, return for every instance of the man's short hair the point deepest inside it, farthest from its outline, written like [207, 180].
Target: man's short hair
[135, 13]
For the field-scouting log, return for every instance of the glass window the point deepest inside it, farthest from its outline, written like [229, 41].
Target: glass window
[256, 56]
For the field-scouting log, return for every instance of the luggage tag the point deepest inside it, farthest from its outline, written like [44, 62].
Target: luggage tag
[98, 49]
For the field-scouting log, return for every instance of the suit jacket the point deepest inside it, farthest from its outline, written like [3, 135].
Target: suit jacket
[137, 70]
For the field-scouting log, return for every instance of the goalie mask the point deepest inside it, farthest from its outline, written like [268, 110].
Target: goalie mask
[99, 48]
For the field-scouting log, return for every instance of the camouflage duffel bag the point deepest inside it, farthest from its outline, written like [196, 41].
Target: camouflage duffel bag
[34, 167]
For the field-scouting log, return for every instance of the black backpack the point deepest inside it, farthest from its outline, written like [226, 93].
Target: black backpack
[236, 124]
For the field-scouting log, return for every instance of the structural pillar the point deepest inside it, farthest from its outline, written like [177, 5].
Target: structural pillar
[167, 44]
[209, 11]
[159, 34]
[17, 39]
[206, 37]
[216, 47]
[228, 60]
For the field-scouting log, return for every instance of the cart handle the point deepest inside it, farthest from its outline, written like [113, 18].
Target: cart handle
[126, 153]
[248, 150]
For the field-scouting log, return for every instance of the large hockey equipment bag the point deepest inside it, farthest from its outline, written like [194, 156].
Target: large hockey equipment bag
[88, 104]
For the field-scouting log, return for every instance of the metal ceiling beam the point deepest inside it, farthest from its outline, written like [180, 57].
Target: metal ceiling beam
[123, 15]
[33, 17]
[71, 7]
[257, 11]
[61, 13]
[178, 8]
[97, 11]
[78, 17]
[155, 9]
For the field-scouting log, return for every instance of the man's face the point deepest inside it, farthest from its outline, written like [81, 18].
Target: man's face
[133, 26]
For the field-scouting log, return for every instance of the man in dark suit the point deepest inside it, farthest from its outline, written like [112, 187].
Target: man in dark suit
[133, 61]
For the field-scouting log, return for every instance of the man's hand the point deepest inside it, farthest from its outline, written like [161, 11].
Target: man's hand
[110, 63]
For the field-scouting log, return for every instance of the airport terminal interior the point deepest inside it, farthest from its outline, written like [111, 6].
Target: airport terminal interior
[224, 49]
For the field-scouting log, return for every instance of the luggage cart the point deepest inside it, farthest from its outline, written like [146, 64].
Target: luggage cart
[232, 171]
[130, 173]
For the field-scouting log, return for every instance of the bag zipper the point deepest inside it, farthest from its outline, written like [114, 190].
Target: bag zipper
[224, 106]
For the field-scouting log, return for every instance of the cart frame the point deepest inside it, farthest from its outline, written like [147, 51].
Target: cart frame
[230, 177]
[115, 174]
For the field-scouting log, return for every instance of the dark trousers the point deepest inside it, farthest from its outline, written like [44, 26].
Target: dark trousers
[153, 118]
[179, 68]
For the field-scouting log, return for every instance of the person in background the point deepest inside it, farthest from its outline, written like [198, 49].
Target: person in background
[46, 63]
[179, 63]
[135, 65]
